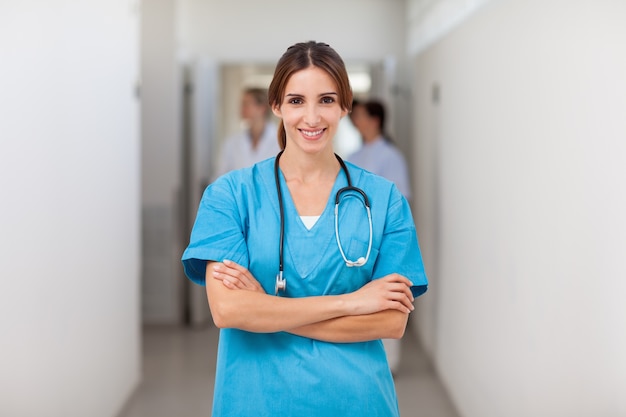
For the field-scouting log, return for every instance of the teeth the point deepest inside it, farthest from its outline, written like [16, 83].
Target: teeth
[307, 133]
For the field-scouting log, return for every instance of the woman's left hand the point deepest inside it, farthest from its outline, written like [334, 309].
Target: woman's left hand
[236, 277]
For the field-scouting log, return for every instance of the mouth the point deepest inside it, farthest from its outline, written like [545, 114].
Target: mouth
[312, 134]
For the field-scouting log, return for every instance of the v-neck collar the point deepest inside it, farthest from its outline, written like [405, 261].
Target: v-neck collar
[291, 212]
[306, 248]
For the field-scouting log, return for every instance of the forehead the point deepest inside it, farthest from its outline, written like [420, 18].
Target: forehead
[310, 80]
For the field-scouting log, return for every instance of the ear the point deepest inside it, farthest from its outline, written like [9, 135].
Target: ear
[344, 113]
[276, 111]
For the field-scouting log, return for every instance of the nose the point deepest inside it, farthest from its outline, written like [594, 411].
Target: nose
[312, 115]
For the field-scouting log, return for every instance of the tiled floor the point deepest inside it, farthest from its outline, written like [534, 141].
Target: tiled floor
[178, 370]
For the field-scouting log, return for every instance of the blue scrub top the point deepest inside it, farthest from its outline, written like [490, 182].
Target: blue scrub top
[279, 374]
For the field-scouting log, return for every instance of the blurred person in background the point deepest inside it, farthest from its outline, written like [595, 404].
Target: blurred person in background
[380, 156]
[258, 141]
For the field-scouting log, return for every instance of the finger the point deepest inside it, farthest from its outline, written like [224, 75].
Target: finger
[234, 265]
[216, 272]
[406, 299]
[407, 306]
[401, 302]
[244, 279]
[235, 276]
[227, 280]
[229, 277]
[407, 291]
[242, 274]
[238, 271]
[405, 309]
[404, 287]
[401, 279]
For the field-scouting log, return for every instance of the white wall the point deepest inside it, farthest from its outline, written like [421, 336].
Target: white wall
[161, 159]
[69, 222]
[430, 20]
[253, 31]
[526, 152]
[427, 22]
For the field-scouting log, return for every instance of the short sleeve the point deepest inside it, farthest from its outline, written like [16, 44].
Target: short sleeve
[399, 251]
[218, 231]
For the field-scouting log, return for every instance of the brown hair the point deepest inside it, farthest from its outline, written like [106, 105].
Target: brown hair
[301, 56]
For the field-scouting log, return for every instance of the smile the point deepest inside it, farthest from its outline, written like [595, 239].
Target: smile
[312, 133]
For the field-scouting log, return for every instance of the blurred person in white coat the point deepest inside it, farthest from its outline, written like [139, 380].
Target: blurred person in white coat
[258, 141]
[380, 156]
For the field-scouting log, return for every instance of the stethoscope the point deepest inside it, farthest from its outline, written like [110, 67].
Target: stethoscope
[281, 282]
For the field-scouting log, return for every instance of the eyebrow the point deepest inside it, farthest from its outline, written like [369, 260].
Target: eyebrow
[319, 95]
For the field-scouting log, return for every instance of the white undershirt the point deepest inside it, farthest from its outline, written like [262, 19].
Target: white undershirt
[309, 221]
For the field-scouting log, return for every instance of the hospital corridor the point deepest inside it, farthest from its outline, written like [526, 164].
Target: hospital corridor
[509, 116]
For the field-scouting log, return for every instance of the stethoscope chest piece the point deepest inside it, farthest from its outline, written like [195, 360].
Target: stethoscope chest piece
[281, 283]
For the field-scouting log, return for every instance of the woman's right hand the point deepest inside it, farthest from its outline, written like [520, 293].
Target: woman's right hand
[392, 292]
[235, 276]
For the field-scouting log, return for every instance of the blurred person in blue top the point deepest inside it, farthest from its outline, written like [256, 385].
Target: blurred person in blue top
[257, 141]
[307, 261]
[379, 155]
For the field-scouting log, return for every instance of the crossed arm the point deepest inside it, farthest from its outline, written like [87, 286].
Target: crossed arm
[379, 309]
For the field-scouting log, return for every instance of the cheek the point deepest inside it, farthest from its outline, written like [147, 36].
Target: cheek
[290, 117]
[333, 116]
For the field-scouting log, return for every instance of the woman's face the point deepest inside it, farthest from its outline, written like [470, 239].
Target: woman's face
[310, 110]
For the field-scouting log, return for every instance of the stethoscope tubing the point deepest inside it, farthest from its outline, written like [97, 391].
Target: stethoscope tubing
[281, 283]
[362, 260]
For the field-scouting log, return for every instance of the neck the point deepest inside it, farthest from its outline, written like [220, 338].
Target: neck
[302, 167]
[371, 137]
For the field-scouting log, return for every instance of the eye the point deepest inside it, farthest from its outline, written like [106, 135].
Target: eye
[295, 100]
[328, 100]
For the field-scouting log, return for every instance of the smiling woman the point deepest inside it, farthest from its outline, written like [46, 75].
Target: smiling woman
[319, 338]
